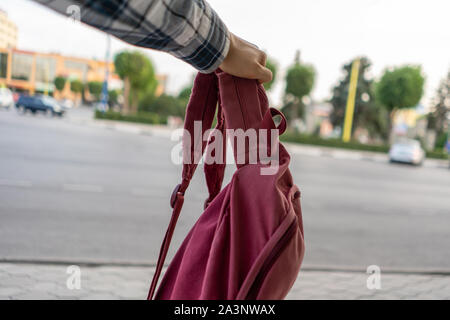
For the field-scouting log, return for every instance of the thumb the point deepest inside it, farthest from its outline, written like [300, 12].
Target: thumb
[264, 74]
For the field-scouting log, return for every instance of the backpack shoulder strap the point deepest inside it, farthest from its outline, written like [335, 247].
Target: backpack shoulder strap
[215, 164]
[199, 117]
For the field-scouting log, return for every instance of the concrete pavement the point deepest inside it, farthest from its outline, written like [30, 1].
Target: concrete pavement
[31, 281]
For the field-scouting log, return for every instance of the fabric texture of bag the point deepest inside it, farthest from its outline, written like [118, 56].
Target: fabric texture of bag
[248, 244]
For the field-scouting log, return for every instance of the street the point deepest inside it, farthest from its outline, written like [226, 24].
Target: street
[71, 192]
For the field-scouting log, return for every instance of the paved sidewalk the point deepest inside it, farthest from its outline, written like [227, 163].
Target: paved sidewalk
[43, 281]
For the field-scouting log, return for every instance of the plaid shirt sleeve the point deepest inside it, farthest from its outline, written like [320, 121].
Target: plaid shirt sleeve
[188, 29]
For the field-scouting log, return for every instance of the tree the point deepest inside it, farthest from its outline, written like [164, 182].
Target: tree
[164, 105]
[399, 88]
[299, 82]
[76, 86]
[95, 88]
[60, 83]
[113, 97]
[272, 66]
[137, 72]
[185, 93]
[441, 110]
[367, 114]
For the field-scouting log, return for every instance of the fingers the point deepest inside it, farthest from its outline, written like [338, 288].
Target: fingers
[262, 58]
[245, 60]
[264, 74]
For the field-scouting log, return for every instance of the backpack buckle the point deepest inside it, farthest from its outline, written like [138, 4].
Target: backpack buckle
[173, 198]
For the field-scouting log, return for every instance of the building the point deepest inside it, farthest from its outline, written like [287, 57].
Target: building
[34, 72]
[317, 118]
[8, 31]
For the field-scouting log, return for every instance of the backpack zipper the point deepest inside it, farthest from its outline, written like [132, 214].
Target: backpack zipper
[270, 260]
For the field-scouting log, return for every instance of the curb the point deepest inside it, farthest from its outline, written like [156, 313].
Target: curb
[336, 153]
[120, 126]
[306, 268]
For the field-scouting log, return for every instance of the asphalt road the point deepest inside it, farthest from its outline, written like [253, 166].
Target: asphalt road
[75, 192]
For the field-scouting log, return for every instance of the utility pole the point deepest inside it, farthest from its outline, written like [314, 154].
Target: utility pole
[350, 108]
[104, 101]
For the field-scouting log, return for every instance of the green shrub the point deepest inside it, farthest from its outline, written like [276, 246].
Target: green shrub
[437, 154]
[113, 96]
[352, 145]
[441, 140]
[163, 105]
[333, 143]
[76, 86]
[95, 88]
[140, 117]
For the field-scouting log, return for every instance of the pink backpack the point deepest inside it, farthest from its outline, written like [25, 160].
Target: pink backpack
[248, 243]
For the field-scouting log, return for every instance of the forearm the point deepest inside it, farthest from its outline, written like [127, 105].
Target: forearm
[189, 30]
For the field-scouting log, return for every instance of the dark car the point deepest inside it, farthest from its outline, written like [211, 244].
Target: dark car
[39, 103]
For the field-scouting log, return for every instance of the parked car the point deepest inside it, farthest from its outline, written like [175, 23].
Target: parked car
[6, 98]
[407, 151]
[39, 104]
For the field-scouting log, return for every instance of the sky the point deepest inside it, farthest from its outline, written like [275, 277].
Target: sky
[328, 34]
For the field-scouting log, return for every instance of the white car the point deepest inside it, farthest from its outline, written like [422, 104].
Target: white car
[407, 151]
[6, 98]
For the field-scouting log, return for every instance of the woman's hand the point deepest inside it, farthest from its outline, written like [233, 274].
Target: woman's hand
[246, 61]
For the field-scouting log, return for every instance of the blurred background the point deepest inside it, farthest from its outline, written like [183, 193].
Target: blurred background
[85, 169]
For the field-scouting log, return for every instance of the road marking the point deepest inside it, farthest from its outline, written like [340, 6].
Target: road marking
[82, 187]
[15, 183]
[142, 192]
[346, 156]
[303, 150]
[128, 129]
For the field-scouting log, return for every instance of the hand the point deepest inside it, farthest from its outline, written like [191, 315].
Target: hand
[246, 61]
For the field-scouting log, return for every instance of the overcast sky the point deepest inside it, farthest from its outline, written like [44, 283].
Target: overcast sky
[327, 32]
